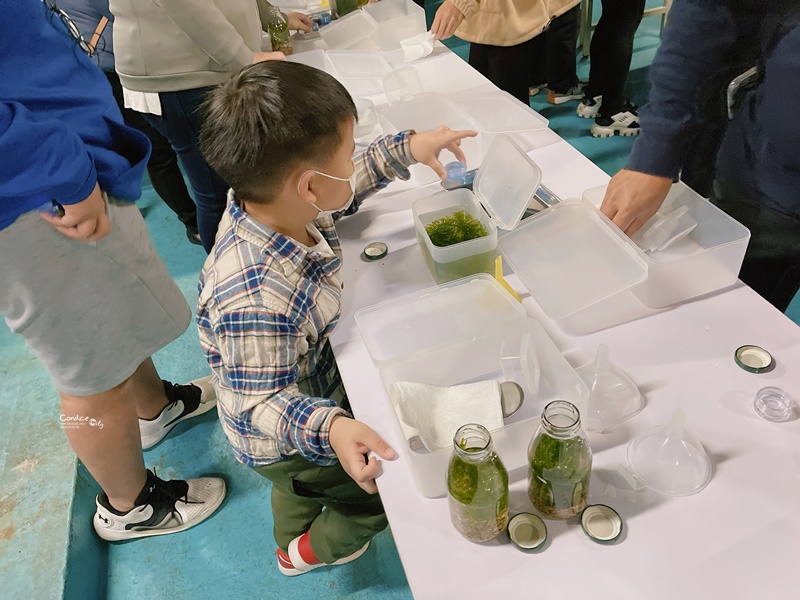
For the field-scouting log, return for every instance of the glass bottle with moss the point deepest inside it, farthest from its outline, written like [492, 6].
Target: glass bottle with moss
[477, 485]
[560, 463]
[278, 29]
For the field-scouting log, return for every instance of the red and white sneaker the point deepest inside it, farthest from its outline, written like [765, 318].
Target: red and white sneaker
[301, 559]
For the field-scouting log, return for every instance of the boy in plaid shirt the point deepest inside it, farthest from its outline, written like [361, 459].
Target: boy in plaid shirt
[281, 134]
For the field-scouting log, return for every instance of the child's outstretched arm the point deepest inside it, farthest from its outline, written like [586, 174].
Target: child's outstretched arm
[389, 157]
[352, 441]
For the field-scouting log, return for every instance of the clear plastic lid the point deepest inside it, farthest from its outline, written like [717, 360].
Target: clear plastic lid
[668, 459]
[348, 30]
[506, 182]
[435, 316]
[571, 257]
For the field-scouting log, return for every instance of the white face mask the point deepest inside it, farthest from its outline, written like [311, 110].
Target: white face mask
[351, 180]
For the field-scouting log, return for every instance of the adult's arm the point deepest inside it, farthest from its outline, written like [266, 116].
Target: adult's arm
[694, 45]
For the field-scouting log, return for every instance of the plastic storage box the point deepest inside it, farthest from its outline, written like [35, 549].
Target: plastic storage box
[360, 71]
[314, 58]
[706, 260]
[575, 264]
[397, 20]
[470, 330]
[354, 30]
[502, 190]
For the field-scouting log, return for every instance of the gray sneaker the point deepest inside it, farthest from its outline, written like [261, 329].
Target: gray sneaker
[162, 507]
[576, 92]
[185, 402]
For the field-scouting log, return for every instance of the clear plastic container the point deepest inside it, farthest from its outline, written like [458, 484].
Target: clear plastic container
[575, 264]
[402, 84]
[397, 20]
[350, 30]
[463, 332]
[502, 190]
[358, 63]
[314, 58]
[496, 111]
[708, 258]
[361, 72]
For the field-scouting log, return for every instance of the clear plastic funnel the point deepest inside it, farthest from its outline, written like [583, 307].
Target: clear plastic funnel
[665, 229]
[668, 459]
[613, 397]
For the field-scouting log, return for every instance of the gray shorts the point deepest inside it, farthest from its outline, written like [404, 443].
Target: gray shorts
[92, 312]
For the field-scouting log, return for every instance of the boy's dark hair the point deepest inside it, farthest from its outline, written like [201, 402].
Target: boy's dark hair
[266, 118]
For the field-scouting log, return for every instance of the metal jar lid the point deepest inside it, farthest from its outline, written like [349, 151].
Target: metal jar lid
[753, 359]
[601, 523]
[375, 251]
[527, 532]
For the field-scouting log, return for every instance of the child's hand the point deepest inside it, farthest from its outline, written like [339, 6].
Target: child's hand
[352, 440]
[85, 221]
[426, 146]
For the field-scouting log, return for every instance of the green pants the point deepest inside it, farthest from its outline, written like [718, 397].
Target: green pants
[300, 491]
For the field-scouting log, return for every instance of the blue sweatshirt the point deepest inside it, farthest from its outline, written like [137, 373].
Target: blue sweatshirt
[60, 129]
[758, 154]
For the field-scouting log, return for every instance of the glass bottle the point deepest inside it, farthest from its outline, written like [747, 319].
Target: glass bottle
[477, 485]
[278, 30]
[560, 462]
[344, 7]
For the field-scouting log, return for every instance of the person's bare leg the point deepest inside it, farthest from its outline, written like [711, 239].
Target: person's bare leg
[148, 391]
[112, 448]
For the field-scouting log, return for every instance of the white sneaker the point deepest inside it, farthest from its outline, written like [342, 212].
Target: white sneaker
[163, 507]
[625, 123]
[185, 402]
[300, 558]
[589, 107]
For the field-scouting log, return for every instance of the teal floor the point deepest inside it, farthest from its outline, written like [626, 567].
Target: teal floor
[47, 547]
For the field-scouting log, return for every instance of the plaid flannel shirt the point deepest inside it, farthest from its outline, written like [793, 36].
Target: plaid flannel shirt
[266, 308]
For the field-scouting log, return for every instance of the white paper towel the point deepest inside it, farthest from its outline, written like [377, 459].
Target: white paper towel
[418, 46]
[435, 413]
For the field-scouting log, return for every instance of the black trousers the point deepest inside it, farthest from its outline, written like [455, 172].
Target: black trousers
[548, 57]
[162, 168]
[772, 262]
[611, 51]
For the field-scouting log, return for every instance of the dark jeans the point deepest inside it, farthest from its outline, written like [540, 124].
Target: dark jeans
[611, 51]
[162, 168]
[552, 54]
[180, 124]
[772, 262]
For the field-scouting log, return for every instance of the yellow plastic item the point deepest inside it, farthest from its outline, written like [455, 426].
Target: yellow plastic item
[498, 274]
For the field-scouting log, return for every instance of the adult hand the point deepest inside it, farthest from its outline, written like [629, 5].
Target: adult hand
[426, 146]
[85, 221]
[352, 440]
[446, 21]
[299, 21]
[262, 56]
[633, 197]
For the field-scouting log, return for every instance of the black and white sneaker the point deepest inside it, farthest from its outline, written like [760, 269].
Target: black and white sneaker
[589, 107]
[162, 507]
[185, 402]
[625, 123]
